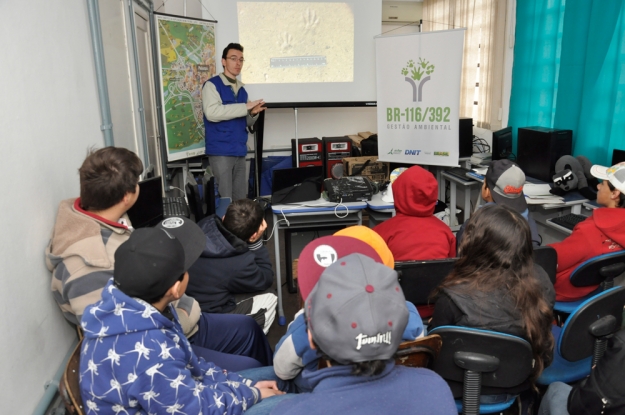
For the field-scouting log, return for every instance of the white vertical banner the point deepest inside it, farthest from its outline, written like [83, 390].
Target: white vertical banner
[418, 94]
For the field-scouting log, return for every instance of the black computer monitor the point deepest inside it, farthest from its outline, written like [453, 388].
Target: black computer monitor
[148, 209]
[618, 156]
[502, 144]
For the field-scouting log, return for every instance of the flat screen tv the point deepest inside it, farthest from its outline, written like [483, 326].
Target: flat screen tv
[502, 144]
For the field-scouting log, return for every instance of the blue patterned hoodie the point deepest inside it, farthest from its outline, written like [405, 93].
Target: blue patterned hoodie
[135, 360]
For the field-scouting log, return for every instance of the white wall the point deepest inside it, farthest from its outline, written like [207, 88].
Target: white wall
[49, 117]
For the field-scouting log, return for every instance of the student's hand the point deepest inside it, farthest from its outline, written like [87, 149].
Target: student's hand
[254, 107]
[268, 384]
[268, 388]
[268, 393]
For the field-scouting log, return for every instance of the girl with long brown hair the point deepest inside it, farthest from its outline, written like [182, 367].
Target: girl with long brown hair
[495, 284]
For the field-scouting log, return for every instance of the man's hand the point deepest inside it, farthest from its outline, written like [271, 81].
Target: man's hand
[268, 388]
[254, 107]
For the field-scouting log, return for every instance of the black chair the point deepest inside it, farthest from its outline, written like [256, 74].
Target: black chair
[601, 269]
[475, 358]
[209, 194]
[583, 338]
[418, 279]
[547, 258]
[195, 201]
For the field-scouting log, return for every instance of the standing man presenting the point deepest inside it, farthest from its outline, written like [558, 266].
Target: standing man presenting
[227, 113]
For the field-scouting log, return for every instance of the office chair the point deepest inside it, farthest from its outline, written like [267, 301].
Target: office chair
[195, 201]
[69, 387]
[601, 269]
[209, 194]
[583, 338]
[420, 352]
[419, 278]
[547, 258]
[471, 359]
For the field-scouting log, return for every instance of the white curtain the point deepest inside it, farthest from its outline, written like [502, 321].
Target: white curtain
[483, 45]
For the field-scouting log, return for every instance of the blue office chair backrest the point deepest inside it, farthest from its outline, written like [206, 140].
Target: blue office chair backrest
[576, 342]
[547, 258]
[514, 354]
[419, 278]
[597, 269]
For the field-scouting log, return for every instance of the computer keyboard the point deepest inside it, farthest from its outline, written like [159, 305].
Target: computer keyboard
[175, 206]
[459, 172]
[569, 221]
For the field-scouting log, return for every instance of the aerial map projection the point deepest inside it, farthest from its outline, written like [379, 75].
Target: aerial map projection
[187, 48]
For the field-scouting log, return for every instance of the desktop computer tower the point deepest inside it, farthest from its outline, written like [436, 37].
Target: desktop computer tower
[309, 150]
[539, 148]
[335, 149]
[465, 137]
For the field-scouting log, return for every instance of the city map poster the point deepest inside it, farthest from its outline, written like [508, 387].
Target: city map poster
[187, 60]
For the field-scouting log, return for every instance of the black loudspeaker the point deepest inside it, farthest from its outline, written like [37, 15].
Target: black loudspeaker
[465, 137]
[539, 148]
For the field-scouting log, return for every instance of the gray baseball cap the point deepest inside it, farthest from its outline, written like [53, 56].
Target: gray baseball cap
[505, 180]
[357, 311]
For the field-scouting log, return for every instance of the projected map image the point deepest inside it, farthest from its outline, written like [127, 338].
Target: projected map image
[296, 42]
[187, 50]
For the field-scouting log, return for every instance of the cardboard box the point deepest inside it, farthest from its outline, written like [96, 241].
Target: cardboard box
[376, 171]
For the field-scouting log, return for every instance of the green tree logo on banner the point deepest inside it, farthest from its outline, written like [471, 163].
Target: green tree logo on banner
[414, 72]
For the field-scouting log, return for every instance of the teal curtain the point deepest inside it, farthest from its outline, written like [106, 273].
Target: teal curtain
[569, 72]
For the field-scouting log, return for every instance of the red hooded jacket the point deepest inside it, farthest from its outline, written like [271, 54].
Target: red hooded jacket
[602, 233]
[415, 233]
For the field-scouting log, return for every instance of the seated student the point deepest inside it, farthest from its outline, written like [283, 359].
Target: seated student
[293, 352]
[135, 357]
[603, 392]
[88, 231]
[355, 316]
[601, 233]
[495, 286]
[414, 232]
[235, 261]
[503, 184]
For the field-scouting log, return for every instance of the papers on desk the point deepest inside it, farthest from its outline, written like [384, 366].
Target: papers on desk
[538, 194]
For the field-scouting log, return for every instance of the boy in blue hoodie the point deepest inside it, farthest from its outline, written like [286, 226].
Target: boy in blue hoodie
[135, 357]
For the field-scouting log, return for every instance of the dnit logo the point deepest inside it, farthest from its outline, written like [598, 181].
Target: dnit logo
[412, 152]
[416, 72]
[394, 151]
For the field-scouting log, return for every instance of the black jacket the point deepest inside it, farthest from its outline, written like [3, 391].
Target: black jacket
[603, 392]
[227, 266]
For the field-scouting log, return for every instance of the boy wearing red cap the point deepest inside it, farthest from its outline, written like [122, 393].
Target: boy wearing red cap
[355, 317]
[293, 352]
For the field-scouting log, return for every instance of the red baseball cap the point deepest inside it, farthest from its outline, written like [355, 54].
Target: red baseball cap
[323, 252]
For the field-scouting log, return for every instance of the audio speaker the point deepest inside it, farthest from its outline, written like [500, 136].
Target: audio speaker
[465, 137]
[539, 148]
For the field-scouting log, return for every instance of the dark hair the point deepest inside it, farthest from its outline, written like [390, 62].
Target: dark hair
[106, 176]
[496, 253]
[621, 196]
[368, 368]
[157, 298]
[243, 218]
[235, 46]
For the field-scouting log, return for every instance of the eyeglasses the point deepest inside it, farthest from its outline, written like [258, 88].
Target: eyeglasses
[234, 59]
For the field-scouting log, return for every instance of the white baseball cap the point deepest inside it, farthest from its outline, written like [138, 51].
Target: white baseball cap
[614, 174]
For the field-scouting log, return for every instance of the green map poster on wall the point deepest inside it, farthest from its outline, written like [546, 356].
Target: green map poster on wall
[187, 60]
